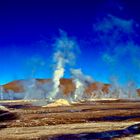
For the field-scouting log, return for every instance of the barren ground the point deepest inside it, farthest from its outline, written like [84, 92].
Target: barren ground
[106, 119]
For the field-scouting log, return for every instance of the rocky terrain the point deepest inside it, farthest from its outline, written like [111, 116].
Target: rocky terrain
[63, 120]
[97, 119]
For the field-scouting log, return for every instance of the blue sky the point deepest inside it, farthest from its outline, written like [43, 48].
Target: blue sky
[107, 33]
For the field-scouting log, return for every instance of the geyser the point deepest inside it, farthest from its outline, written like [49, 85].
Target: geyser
[63, 56]
[110, 33]
[129, 91]
[81, 81]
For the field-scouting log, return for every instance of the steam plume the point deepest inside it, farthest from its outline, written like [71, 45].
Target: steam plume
[33, 90]
[81, 81]
[118, 38]
[63, 55]
[128, 91]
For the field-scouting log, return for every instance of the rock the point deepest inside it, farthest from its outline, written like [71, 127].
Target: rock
[6, 115]
[3, 108]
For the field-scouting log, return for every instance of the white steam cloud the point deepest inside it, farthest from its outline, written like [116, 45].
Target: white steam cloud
[120, 53]
[64, 55]
[128, 91]
[33, 89]
[81, 81]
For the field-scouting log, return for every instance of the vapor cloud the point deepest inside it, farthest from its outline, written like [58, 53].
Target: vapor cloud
[64, 55]
[121, 50]
[81, 81]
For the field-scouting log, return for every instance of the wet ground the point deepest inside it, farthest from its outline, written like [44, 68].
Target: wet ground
[106, 119]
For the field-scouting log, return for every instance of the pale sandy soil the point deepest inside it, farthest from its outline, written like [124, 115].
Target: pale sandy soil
[41, 131]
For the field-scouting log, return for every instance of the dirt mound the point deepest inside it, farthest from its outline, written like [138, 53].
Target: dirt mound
[59, 102]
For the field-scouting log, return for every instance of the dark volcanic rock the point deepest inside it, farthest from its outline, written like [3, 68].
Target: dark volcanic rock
[6, 115]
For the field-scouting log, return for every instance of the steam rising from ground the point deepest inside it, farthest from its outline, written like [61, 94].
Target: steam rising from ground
[81, 81]
[63, 56]
[117, 37]
[129, 91]
[33, 90]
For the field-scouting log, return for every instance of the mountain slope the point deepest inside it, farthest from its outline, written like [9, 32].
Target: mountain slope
[66, 85]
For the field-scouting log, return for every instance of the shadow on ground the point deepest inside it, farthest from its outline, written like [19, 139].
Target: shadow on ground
[106, 135]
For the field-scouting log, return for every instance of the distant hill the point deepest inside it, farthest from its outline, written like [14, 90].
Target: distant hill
[138, 90]
[66, 85]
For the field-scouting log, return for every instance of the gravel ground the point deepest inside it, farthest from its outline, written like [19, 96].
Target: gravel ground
[82, 120]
